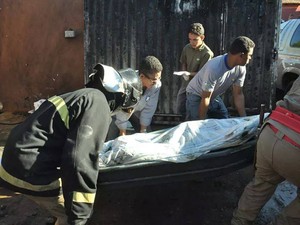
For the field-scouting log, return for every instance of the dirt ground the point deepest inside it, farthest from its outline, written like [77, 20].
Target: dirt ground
[186, 203]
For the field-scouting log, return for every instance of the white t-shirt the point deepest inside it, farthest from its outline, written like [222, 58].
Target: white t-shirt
[144, 109]
[216, 77]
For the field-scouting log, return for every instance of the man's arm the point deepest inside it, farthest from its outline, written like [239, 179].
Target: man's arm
[183, 67]
[143, 129]
[239, 100]
[122, 132]
[121, 121]
[188, 73]
[203, 107]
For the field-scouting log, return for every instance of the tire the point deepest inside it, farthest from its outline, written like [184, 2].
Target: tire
[288, 87]
[279, 94]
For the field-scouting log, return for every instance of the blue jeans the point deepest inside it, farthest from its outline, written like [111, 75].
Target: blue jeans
[216, 108]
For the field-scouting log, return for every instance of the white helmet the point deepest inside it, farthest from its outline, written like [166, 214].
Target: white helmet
[126, 82]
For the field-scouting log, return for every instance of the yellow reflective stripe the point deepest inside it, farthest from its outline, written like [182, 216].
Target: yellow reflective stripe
[83, 197]
[62, 109]
[23, 184]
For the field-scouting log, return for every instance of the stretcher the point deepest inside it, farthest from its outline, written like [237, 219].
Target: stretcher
[195, 150]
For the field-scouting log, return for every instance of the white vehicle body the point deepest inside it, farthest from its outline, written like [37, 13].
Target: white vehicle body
[288, 64]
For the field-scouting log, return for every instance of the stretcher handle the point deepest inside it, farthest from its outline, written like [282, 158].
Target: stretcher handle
[261, 114]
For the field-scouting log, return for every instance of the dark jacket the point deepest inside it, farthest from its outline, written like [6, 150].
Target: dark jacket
[62, 139]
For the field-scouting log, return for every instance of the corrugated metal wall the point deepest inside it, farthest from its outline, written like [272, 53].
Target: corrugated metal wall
[120, 32]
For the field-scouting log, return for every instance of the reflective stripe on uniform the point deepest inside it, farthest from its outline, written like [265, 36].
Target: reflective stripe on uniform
[83, 197]
[62, 109]
[25, 185]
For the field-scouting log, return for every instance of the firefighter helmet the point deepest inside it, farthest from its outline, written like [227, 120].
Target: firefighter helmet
[132, 87]
[126, 82]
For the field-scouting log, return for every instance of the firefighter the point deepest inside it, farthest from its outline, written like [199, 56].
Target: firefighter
[277, 159]
[56, 148]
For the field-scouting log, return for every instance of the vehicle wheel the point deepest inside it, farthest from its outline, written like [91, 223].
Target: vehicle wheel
[279, 94]
[288, 87]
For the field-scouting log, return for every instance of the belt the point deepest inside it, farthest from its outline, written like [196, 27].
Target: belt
[286, 138]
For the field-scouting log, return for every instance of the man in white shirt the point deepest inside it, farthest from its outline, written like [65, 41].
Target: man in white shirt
[215, 77]
[150, 70]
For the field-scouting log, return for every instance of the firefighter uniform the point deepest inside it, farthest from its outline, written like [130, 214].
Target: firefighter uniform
[277, 159]
[60, 141]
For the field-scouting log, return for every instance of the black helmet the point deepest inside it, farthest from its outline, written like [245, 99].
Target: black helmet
[132, 87]
[122, 89]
